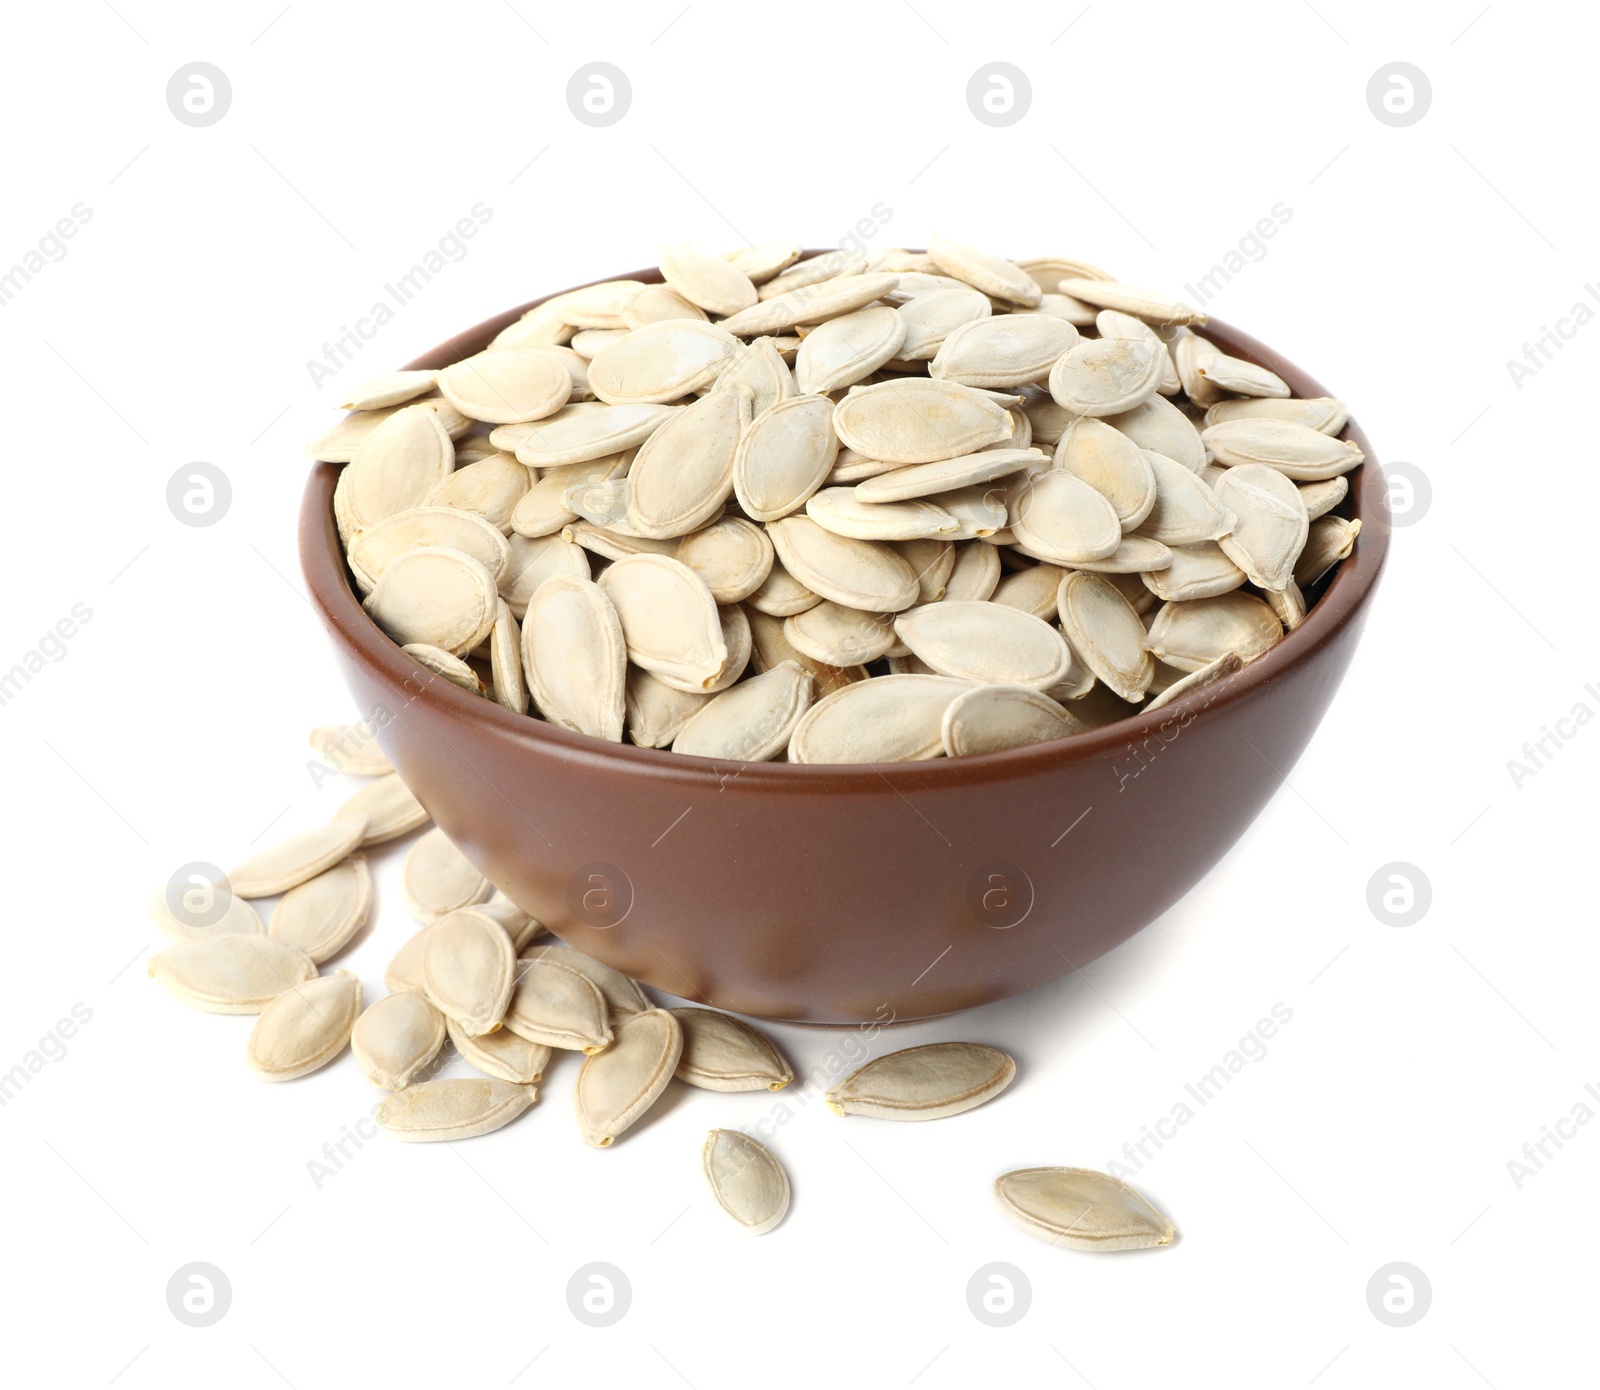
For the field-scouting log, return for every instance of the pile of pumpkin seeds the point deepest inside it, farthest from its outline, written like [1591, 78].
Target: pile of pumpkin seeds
[480, 977]
[841, 509]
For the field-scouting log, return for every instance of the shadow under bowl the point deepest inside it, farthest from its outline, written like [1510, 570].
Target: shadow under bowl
[851, 894]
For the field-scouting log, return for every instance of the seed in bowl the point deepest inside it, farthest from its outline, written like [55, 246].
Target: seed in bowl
[698, 513]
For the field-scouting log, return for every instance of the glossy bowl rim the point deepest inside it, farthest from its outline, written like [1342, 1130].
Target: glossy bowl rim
[336, 599]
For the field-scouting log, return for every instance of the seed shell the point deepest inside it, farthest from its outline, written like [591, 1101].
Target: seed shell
[615, 1087]
[305, 1027]
[455, 1108]
[924, 1083]
[747, 1181]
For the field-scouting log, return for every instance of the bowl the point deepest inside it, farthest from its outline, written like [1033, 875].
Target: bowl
[852, 894]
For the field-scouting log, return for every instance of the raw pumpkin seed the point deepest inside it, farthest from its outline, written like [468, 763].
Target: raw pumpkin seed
[986, 642]
[1105, 633]
[283, 865]
[989, 718]
[616, 1086]
[920, 420]
[747, 1181]
[1196, 632]
[924, 1083]
[724, 1053]
[304, 1028]
[1081, 1209]
[350, 748]
[751, 721]
[390, 808]
[558, 1006]
[574, 656]
[437, 879]
[456, 1108]
[323, 914]
[1209, 674]
[235, 974]
[396, 1038]
[469, 969]
[889, 719]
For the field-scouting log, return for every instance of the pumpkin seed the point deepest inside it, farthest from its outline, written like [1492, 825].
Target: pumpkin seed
[437, 596]
[975, 573]
[751, 721]
[1112, 464]
[1060, 518]
[733, 556]
[842, 511]
[924, 1083]
[888, 719]
[1196, 632]
[760, 263]
[782, 595]
[520, 926]
[988, 718]
[784, 456]
[594, 306]
[668, 618]
[1186, 510]
[1289, 604]
[339, 444]
[1149, 305]
[1209, 674]
[986, 642]
[1105, 633]
[683, 473]
[920, 420]
[769, 648]
[1324, 414]
[1321, 498]
[391, 388]
[657, 304]
[505, 661]
[396, 1038]
[615, 1087]
[586, 431]
[558, 1006]
[998, 278]
[724, 1053]
[1049, 271]
[394, 468]
[1160, 426]
[1202, 570]
[1033, 590]
[858, 574]
[305, 1027]
[508, 386]
[848, 349]
[234, 974]
[501, 1054]
[442, 663]
[809, 304]
[574, 656]
[705, 280]
[1270, 526]
[456, 1108]
[1306, 455]
[375, 549]
[489, 487]
[1107, 376]
[1243, 378]
[760, 366]
[283, 865]
[350, 748]
[322, 915]
[469, 969]
[1081, 1209]
[946, 475]
[533, 559]
[238, 917]
[390, 808]
[1329, 540]
[656, 712]
[1003, 350]
[747, 1181]
[404, 972]
[622, 994]
[930, 318]
[437, 879]
[830, 265]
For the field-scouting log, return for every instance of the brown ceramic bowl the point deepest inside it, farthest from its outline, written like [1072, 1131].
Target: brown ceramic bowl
[836, 895]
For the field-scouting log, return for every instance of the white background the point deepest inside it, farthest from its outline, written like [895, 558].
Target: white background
[1419, 1060]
